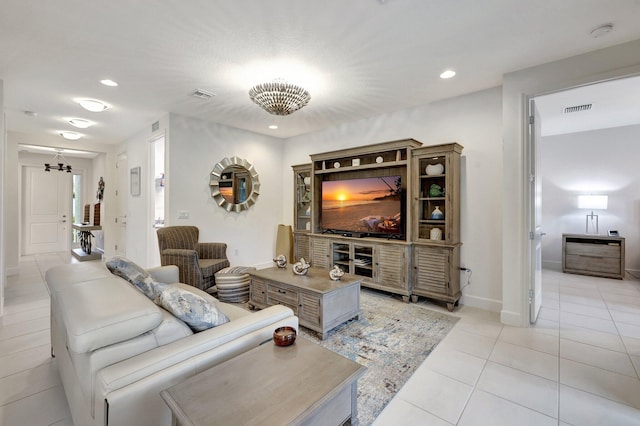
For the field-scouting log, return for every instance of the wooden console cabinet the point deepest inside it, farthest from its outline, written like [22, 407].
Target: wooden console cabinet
[319, 302]
[595, 255]
[382, 264]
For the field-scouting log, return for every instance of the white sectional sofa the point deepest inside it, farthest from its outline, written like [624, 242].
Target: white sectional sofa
[116, 349]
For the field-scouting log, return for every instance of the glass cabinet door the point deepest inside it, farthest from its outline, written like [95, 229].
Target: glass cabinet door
[432, 200]
[302, 194]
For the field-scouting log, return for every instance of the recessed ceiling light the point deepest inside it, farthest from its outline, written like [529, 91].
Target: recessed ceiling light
[81, 123]
[447, 74]
[93, 105]
[72, 136]
[108, 82]
[601, 30]
[273, 127]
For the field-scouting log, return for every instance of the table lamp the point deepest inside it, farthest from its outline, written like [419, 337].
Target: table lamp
[592, 202]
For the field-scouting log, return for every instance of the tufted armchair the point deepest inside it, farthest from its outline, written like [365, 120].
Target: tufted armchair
[196, 262]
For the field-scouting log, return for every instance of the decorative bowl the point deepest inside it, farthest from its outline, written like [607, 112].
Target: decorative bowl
[434, 169]
[284, 336]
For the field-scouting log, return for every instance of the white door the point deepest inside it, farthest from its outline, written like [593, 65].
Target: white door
[122, 188]
[46, 210]
[535, 215]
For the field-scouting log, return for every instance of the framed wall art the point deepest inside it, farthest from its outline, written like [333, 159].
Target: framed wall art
[135, 181]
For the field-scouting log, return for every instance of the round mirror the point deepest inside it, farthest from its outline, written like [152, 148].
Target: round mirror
[234, 184]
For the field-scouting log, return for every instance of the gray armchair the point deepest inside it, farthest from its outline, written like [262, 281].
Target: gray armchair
[197, 262]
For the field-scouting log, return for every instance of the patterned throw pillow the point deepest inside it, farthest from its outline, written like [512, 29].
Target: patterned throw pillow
[125, 268]
[199, 313]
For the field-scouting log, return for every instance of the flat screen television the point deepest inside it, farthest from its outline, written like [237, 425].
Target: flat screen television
[372, 206]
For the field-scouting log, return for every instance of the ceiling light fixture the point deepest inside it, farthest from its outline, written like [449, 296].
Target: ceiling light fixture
[80, 123]
[601, 30]
[279, 97]
[93, 105]
[59, 160]
[109, 83]
[273, 127]
[72, 136]
[447, 74]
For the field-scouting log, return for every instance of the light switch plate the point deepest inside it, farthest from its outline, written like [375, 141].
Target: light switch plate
[183, 214]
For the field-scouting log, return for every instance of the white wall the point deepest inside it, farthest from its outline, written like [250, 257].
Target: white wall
[3, 147]
[139, 229]
[195, 147]
[474, 121]
[599, 162]
[617, 61]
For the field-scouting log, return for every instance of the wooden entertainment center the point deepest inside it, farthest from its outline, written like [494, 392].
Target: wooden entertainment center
[422, 258]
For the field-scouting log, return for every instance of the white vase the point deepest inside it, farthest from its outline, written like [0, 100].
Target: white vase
[437, 214]
[434, 169]
[436, 234]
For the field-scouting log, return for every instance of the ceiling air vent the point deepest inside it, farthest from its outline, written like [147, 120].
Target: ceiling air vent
[155, 126]
[577, 108]
[203, 94]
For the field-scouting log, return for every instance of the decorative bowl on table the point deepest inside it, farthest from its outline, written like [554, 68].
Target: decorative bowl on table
[284, 336]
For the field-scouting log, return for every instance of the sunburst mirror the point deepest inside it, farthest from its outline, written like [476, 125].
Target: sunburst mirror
[234, 184]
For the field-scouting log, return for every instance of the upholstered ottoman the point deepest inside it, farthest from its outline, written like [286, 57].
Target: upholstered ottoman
[233, 284]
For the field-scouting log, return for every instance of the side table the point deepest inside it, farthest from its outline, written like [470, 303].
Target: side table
[84, 252]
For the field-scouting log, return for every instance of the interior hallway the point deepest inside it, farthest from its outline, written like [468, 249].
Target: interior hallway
[578, 366]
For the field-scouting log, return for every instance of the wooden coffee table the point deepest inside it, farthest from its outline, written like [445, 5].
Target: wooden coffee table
[319, 302]
[270, 385]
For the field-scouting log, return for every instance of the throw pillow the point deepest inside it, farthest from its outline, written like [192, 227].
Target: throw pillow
[199, 313]
[125, 268]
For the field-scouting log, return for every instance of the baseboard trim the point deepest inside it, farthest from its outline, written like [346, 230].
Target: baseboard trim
[13, 271]
[554, 266]
[511, 318]
[487, 304]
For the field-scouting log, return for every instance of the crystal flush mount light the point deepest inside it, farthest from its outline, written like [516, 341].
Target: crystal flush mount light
[279, 97]
[93, 105]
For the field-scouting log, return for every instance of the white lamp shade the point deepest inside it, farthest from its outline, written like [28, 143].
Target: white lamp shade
[592, 202]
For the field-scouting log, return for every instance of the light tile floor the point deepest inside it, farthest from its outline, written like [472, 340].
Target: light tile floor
[578, 366]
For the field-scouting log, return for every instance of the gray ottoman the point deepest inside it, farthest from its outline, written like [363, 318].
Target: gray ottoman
[233, 284]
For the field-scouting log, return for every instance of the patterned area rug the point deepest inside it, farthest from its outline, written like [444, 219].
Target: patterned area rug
[391, 339]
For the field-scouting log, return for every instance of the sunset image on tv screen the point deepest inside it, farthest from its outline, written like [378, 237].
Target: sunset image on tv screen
[362, 205]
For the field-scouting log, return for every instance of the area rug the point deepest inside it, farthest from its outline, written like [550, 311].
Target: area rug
[391, 338]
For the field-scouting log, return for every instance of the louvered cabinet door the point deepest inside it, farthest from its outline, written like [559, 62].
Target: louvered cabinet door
[301, 247]
[431, 270]
[391, 265]
[320, 253]
[309, 312]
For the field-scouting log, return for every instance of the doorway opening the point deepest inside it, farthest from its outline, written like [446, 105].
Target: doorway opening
[575, 149]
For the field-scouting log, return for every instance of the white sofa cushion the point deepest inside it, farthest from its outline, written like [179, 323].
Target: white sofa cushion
[101, 312]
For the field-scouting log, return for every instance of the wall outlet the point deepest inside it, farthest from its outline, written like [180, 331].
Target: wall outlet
[183, 214]
[235, 252]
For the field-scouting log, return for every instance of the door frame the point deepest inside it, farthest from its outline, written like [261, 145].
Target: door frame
[529, 198]
[21, 200]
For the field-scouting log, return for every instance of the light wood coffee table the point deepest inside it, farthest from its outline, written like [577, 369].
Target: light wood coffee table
[270, 385]
[319, 302]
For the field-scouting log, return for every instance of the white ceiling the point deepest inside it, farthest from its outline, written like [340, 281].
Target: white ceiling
[357, 58]
[614, 103]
